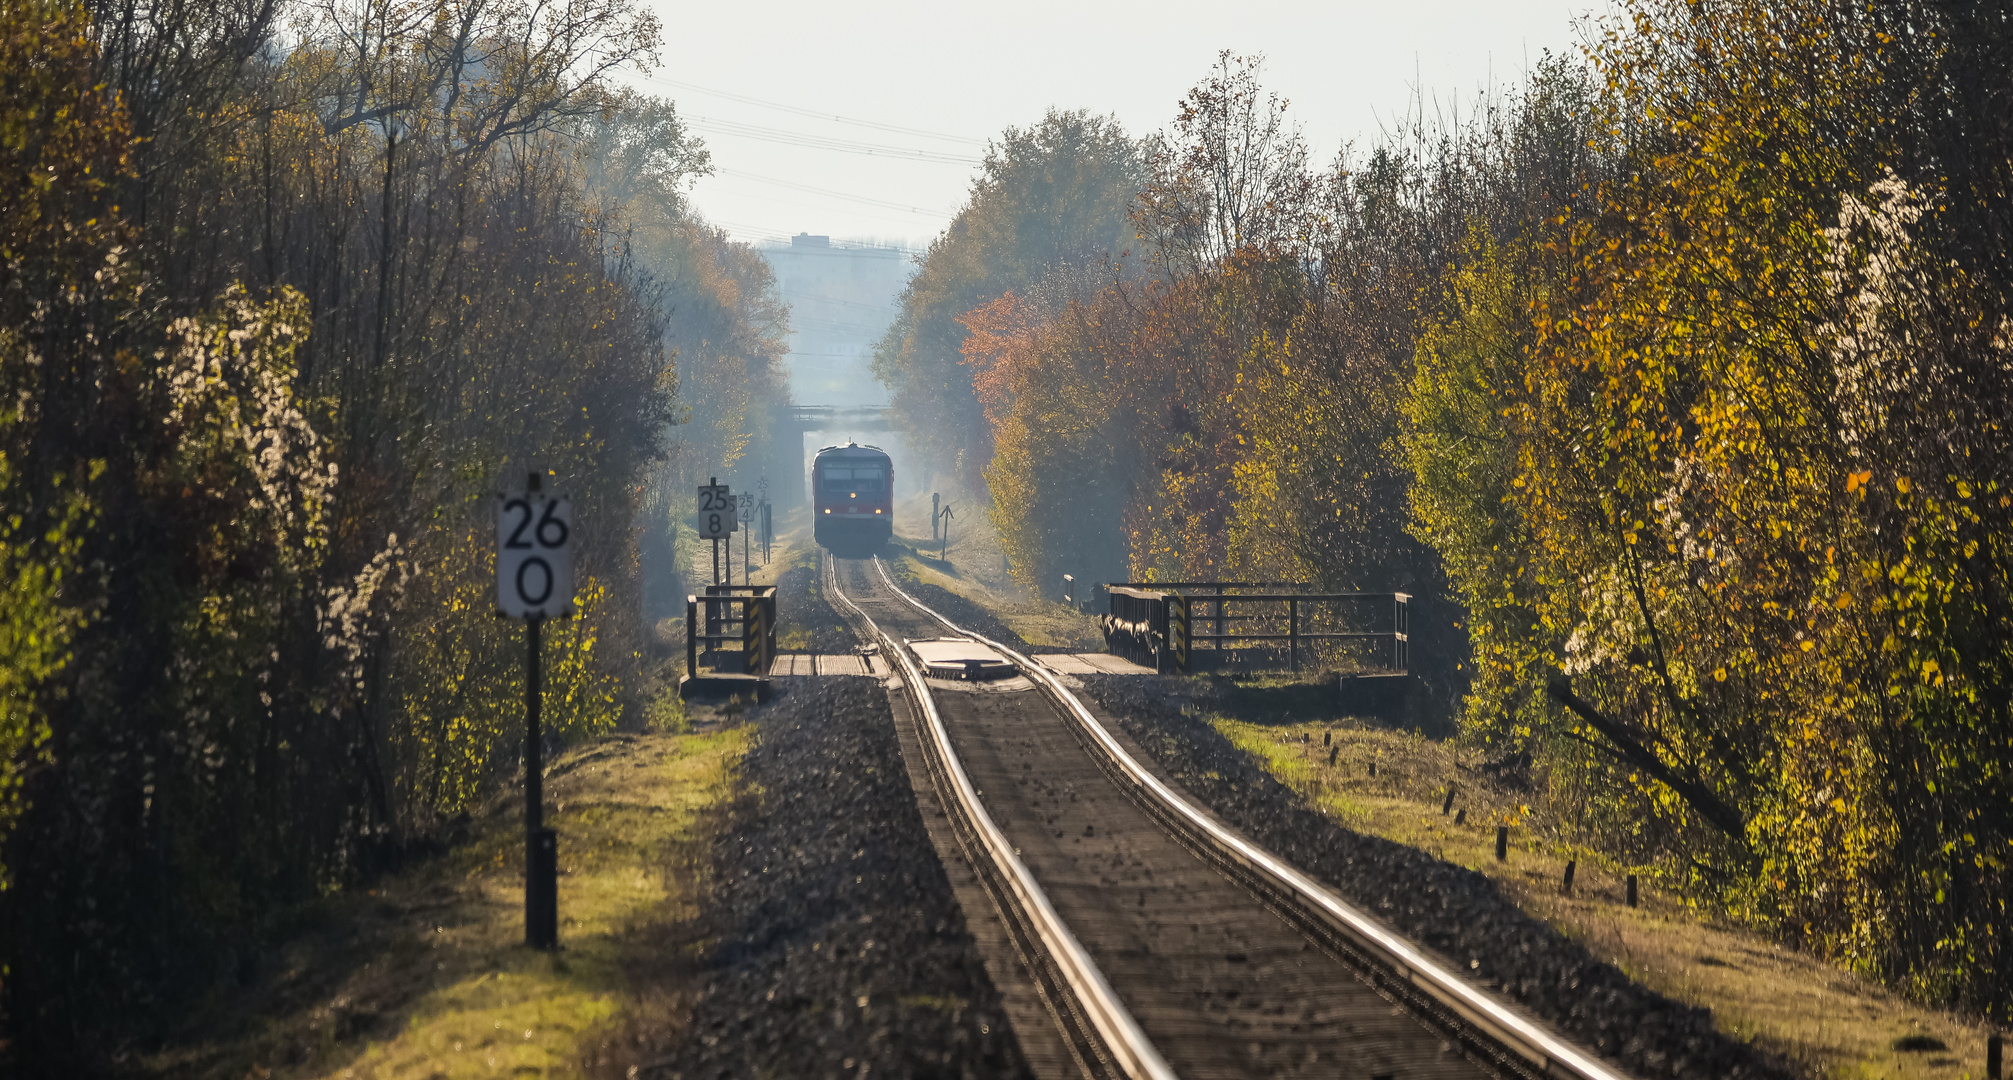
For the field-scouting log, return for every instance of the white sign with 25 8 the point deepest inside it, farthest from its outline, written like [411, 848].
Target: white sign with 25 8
[716, 512]
[534, 554]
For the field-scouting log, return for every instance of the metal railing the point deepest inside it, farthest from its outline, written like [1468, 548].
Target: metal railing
[750, 610]
[1160, 623]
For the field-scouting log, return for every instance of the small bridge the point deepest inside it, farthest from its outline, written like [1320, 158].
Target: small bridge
[790, 423]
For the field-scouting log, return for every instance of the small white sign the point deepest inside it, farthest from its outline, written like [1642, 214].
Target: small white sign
[716, 512]
[534, 555]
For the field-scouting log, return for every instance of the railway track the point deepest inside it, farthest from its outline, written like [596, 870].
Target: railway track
[1160, 942]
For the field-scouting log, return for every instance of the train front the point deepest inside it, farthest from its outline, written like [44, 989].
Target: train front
[853, 498]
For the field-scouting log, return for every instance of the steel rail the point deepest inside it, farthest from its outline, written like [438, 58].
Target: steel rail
[1525, 1036]
[1123, 1038]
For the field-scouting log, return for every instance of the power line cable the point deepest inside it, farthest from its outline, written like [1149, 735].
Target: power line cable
[890, 306]
[831, 194]
[826, 208]
[766, 234]
[815, 114]
[816, 328]
[760, 133]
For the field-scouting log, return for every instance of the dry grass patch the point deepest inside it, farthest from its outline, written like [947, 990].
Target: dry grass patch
[976, 569]
[1037, 621]
[1832, 1023]
[426, 976]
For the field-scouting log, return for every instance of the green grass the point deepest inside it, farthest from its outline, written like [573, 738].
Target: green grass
[426, 975]
[1037, 621]
[666, 713]
[1829, 1022]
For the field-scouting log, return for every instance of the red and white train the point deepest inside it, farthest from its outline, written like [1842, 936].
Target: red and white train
[852, 498]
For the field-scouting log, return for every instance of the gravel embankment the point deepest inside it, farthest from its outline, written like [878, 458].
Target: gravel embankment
[1445, 907]
[841, 950]
[800, 604]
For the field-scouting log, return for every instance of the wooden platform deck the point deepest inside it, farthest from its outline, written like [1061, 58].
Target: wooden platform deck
[824, 664]
[1090, 664]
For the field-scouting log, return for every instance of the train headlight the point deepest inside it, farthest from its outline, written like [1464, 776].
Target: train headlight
[852, 494]
[828, 509]
[877, 509]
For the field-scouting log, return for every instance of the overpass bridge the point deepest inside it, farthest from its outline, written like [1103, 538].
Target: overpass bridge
[788, 424]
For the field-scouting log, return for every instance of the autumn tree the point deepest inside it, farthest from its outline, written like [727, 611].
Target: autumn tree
[1051, 196]
[1716, 457]
[725, 322]
[279, 315]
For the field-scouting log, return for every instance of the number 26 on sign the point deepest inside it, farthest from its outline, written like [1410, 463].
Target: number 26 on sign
[534, 555]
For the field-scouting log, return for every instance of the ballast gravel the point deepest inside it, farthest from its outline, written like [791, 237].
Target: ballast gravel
[841, 950]
[800, 604]
[1451, 909]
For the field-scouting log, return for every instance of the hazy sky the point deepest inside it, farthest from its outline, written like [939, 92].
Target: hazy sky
[932, 81]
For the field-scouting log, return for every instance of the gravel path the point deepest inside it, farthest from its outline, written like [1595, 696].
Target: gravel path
[1448, 908]
[841, 950]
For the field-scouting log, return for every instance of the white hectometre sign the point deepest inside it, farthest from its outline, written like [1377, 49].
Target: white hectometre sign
[534, 555]
[716, 512]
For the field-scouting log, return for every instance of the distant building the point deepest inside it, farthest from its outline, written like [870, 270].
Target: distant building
[842, 299]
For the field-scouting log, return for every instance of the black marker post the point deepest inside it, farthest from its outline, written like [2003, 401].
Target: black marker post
[534, 581]
[541, 845]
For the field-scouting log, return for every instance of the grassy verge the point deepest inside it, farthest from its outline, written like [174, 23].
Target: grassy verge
[1037, 621]
[976, 569]
[1832, 1023]
[426, 975]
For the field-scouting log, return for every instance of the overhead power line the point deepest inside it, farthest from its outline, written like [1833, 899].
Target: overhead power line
[820, 328]
[824, 208]
[737, 129]
[831, 194]
[887, 308]
[759, 232]
[815, 114]
[765, 233]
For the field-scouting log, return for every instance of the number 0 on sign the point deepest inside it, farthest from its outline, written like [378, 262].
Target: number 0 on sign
[534, 555]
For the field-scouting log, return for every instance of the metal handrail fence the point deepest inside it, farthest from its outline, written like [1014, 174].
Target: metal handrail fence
[1160, 623]
[750, 609]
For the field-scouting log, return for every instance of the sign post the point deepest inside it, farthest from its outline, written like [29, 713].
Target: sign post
[744, 515]
[716, 518]
[534, 582]
[716, 523]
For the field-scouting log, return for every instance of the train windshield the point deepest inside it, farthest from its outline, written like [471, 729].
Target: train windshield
[855, 478]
